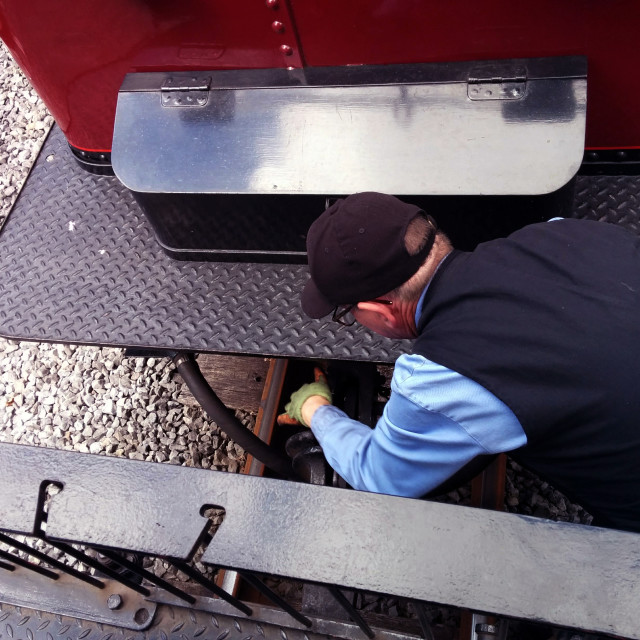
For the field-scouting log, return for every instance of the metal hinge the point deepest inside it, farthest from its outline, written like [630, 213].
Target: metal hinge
[497, 82]
[185, 91]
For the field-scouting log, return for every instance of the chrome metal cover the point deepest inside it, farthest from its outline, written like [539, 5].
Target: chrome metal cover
[508, 127]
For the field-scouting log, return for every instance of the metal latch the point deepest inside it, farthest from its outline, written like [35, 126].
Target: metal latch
[497, 82]
[185, 91]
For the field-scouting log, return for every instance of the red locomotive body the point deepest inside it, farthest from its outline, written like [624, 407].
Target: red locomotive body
[77, 54]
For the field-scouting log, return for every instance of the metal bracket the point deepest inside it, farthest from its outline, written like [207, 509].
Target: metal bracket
[210, 618]
[274, 624]
[183, 91]
[114, 604]
[497, 82]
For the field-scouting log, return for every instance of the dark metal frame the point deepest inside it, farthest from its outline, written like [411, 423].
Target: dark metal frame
[623, 162]
[476, 559]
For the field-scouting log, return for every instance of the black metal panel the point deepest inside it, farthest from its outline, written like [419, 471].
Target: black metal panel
[393, 74]
[268, 228]
[69, 596]
[93, 161]
[611, 162]
[232, 228]
[80, 264]
[614, 199]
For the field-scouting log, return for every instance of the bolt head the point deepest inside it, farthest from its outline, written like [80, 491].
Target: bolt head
[273, 4]
[277, 26]
[114, 601]
[286, 50]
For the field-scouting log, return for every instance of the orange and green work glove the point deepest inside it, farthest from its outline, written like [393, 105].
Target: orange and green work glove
[293, 409]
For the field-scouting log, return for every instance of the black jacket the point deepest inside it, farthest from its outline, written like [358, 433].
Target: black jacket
[548, 320]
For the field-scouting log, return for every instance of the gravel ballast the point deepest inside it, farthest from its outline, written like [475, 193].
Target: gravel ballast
[94, 400]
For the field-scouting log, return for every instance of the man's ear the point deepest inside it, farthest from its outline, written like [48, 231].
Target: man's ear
[385, 311]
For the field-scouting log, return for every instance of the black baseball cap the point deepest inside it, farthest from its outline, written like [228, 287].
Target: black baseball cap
[356, 251]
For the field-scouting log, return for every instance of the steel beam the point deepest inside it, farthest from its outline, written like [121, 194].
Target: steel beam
[115, 604]
[568, 575]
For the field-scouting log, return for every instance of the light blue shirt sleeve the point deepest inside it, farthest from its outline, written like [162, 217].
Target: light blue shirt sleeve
[434, 423]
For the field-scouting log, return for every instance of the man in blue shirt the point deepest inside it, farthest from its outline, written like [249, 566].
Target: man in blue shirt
[528, 345]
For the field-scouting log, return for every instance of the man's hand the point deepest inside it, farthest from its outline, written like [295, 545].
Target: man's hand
[305, 401]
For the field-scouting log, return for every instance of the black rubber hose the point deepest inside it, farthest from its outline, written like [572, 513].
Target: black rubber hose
[225, 419]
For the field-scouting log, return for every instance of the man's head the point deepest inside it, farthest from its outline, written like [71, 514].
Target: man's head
[358, 251]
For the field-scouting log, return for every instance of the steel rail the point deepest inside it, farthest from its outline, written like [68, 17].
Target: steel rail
[226, 420]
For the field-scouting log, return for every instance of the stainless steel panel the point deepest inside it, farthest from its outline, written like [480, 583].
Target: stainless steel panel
[410, 136]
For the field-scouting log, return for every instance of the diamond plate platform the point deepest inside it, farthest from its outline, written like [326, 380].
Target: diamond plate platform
[174, 623]
[80, 264]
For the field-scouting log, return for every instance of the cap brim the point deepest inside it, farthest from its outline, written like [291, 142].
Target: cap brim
[313, 302]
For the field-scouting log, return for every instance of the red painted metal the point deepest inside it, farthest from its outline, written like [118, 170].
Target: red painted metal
[363, 32]
[76, 53]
